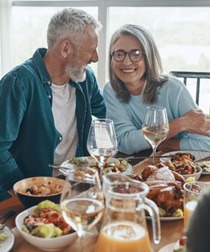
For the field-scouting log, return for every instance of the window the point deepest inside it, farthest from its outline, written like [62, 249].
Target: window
[181, 33]
[30, 29]
[179, 27]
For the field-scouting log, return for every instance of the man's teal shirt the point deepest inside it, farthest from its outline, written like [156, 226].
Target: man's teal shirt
[28, 136]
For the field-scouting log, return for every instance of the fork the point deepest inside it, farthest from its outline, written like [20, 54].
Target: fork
[7, 215]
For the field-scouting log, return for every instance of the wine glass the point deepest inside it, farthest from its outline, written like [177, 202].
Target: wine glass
[155, 127]
[102, 141]
[82, 205]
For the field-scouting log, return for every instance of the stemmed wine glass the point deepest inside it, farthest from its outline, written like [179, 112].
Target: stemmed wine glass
[82, 205]
[102, 141]
[155, 127]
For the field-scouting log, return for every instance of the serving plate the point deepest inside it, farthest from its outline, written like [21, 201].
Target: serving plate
[167, 218]
[170, 247]
[171, 218]
[205, 165]
[199, 155]
[9, 242]
[93, 163]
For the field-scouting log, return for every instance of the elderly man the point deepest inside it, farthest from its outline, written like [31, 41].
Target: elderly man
[47, 102]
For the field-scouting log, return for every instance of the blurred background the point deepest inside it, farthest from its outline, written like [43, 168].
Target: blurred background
[179, 27]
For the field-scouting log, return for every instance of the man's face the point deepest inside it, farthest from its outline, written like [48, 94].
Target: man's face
[84, 54]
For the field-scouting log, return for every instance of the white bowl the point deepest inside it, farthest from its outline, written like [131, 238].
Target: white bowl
[194, 175]
[47, 244]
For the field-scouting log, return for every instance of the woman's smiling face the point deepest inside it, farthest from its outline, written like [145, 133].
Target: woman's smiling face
[128, 71]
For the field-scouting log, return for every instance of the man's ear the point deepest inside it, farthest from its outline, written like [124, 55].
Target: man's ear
[66, 48]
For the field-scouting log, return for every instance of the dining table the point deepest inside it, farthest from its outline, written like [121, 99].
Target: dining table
[171, 230]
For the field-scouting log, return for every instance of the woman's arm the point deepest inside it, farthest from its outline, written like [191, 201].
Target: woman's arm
[194, 121]
[189, 126]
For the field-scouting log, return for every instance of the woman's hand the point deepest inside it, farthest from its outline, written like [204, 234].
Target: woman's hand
[195, 121]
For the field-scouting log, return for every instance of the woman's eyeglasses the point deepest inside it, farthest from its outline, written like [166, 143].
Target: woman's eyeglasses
[134, 55]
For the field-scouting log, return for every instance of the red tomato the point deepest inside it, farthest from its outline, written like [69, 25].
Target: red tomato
[182, 240]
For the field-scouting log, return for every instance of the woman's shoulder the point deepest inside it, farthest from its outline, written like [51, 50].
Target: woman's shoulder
[107, 85]
[173, 83]
[109, 93]
[108, 88]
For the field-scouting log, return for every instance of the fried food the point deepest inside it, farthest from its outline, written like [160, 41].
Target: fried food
[182, 163]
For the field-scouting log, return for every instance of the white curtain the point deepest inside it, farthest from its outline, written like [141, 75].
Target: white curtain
[6, 37]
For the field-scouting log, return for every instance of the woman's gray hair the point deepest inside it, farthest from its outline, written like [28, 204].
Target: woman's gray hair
[154, 73]
[69, 23]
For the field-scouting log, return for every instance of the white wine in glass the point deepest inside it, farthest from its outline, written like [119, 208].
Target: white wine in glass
[102, 141]
[82, 205]
[155, 127]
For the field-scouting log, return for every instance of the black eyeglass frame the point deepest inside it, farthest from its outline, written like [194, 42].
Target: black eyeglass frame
[129, 54]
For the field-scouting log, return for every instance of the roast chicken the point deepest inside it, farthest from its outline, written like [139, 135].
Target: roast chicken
[165, 188]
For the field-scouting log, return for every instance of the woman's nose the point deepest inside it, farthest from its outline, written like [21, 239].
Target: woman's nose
[127, 59]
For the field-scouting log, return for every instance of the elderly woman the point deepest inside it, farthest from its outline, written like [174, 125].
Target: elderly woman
[136, 82]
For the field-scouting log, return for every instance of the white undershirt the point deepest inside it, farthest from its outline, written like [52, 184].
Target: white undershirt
[63, 108]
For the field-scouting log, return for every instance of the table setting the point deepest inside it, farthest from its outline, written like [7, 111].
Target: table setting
[82, 205]
[171, 230]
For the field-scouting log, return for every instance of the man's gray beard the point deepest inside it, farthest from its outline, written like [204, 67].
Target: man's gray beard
[76, 74]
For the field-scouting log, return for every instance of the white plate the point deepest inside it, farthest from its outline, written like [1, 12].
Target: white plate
[199, 155]
[168, 248]
[167, 218]
[91, 160]
[208, 167]
[9, 242]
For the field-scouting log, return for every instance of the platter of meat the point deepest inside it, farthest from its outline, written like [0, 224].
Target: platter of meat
[165, 189]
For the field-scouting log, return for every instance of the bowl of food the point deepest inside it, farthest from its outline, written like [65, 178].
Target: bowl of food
[44, 227]
[184, 164]
[195, 174]
[31, 191]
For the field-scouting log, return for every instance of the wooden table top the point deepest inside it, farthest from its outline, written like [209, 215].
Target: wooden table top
[170, 230]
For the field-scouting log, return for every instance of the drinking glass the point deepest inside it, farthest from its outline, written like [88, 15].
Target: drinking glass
[102, 141]
[192, 192]
[82, 205]
[155, 127]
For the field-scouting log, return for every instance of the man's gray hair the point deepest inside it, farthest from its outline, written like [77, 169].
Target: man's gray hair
[69, 23]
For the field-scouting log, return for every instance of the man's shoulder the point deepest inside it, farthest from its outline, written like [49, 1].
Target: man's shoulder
[20, 71]
[90, 72]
